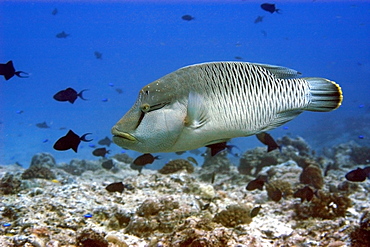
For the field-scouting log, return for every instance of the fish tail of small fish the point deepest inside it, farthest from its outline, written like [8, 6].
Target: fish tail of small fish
[326, 95]
[80, 94]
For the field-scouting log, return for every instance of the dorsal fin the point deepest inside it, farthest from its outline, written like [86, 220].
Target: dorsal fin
[279, 71]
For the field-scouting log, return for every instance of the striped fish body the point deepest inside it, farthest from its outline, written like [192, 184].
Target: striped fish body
[209, 103]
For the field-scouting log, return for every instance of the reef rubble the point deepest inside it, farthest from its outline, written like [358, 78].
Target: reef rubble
[188, 206]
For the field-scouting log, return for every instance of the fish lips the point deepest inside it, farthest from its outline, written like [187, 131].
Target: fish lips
[120, 136]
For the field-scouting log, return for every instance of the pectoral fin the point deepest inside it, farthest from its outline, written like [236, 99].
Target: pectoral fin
[197, 113]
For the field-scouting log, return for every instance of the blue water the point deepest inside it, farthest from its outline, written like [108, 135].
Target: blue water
[143, 41]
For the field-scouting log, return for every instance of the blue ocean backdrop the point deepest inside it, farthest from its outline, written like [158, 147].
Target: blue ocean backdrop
[141, 41]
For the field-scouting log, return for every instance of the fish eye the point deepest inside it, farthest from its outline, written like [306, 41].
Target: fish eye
[145, 107]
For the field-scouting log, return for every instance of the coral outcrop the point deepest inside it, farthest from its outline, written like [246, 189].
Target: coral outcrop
[176, 165]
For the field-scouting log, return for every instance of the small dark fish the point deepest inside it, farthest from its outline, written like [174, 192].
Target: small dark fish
[69, 95]
[257, 183]
[119, 90]
[267, 139]
[218, 147]
[259, 19]
[192, 160]
[255, 211]
[106, 141]
[8, 71]
[55, 11]
[62, 35]
[213, 178]
[71, 140]
[108, 164]
[180, 152]
[115, 187]
[275, 194]
[358, 175]
[145, 159]
[269, 7]
[238, 58]
[43, 125]
[187, 17]
[306, 193]
[100, 152]
[327, 168]
[98, 55]
[20, 111]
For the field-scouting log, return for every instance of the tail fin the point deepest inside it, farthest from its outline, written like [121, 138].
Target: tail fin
[326, 95]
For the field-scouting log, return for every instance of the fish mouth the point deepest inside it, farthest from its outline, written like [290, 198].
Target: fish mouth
[124, 135]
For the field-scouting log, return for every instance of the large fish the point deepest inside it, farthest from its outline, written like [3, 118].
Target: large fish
[210, 103]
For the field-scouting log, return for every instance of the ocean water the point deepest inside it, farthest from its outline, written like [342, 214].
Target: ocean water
[141, 41]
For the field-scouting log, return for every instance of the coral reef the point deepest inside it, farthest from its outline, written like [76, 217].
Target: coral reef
[125, 158]
[360, 236]
[209, 207]
[91, 238]
[176, 165]
[38, 172]
[361, 155]
[298, 143]
[252, 161]
[77, 167]
[326, 206]
[234, 215]
[312, 175]
[9, 184]
[43, 160]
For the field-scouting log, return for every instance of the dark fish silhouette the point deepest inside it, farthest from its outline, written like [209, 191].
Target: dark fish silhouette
[306, 193]
[269, 7]
[98, 55]
[267, 139]
[69, 95]
[255, 211]
[192, 160]
[55, 11]
[274, 193]
[187, 17]
[119, 90]
[115, 187]
[108, 164]
[43, 125]
[106, 141]
[145, 159]
[218, 147]
[358, 175]
[71, 140]
[62, 35]
[100, 152]
[258, 19]
[238, 58]
[257, 183]
[8, 71]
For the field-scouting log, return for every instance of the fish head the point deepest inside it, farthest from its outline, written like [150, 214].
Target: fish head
[154, 122]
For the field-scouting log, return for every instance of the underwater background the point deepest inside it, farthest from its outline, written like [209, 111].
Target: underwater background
[141, 41]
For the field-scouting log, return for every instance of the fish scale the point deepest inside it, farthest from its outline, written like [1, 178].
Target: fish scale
[211, 103]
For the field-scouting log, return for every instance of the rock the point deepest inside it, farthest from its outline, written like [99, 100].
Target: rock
[43, 160]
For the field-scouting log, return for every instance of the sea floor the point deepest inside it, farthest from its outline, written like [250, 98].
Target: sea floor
[181, 206]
